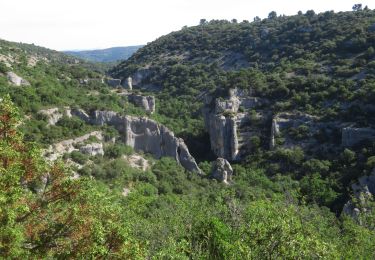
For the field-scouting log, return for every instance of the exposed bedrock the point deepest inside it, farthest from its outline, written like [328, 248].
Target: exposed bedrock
[363, 190]
[16, 80]
[145, 102]
[127, 83]
[144, 134]
[223, 136]
[283, 124]
[67, 146]
[222, 171]
[229, 129]
[53, 115]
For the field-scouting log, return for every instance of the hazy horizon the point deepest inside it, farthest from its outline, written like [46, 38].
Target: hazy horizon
[89, 25]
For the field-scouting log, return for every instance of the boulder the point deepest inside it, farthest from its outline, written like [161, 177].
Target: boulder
[145, 102]
[352, 136]
[92, 149]
[222, 171]
[16, 80]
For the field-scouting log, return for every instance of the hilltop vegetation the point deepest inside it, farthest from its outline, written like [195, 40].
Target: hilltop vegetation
[300, 62]
[106, 55]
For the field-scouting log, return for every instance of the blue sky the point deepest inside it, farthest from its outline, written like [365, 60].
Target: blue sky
[90, 24]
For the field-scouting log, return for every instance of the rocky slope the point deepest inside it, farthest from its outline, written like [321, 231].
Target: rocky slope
[140, 133]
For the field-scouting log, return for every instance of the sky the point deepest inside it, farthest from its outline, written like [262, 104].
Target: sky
[97, 24]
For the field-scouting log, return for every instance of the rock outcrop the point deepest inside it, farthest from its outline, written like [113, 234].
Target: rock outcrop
[53, 115]
[137, 161]
[145, 135]
[127, 83]
[229, 129]
[92, 149]
[222, 171]
[67, 146]
[363, 191]
[223, 136]
[303, 124]
[145, 102]
[352, 136]
[16, 80]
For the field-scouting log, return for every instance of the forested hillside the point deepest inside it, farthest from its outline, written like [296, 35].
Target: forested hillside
[106, 55]
[316, 66]
[277, 115]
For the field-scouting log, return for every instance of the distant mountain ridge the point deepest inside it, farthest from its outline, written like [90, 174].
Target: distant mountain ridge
[106, 55]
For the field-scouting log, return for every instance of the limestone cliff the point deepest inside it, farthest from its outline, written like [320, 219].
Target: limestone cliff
[144, 134]
[229, 125]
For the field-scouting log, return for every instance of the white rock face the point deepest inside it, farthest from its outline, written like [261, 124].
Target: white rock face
[223, 136]
[7, 60]
[145, 102]
[137, 161]
[128, 83]
[16, 80]
[53, 115]
[222, 171]
[92, 149]
[227, 126]
[32, 61]
[67, 146]
[144, 134]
